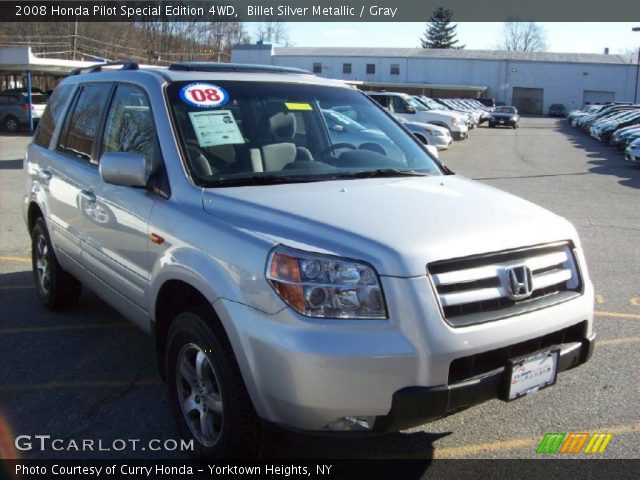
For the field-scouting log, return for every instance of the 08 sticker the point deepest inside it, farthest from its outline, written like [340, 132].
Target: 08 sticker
[204, 95]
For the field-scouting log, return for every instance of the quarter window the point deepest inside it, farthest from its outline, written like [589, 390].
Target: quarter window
[52, 114]
[84, 122]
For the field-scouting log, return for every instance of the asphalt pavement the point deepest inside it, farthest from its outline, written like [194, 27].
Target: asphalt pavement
[90, 374]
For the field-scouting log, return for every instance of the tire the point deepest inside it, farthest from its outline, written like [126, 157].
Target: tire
[195, 337]
[422, 139]
[11, 124]
[57, 289]
[492, 125]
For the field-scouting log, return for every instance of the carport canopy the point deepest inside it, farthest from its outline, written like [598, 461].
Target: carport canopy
[427, 89]
[22, 61]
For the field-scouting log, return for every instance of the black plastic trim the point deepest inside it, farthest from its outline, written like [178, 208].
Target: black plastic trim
[413, 406]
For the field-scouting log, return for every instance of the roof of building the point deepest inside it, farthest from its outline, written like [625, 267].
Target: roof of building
[451, 54]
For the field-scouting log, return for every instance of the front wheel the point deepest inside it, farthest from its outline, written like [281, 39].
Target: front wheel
[208, 398]
[57, 289]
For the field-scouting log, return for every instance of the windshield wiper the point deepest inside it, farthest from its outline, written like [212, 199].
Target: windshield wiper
[262, 180]
[382, 172]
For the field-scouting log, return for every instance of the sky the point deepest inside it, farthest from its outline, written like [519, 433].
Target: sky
[561, 37]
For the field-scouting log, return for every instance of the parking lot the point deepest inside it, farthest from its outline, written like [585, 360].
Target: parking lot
[91, 374]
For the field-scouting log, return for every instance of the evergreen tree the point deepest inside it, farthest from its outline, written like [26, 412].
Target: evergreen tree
[440, 32]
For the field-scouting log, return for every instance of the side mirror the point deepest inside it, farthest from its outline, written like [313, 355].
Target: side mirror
[124, 169]
[409, 109]
[338, 128]
[432, 150]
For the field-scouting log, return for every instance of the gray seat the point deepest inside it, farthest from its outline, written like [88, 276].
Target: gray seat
[276, 156]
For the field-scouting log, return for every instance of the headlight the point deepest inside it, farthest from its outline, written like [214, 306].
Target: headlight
[324, 286]
[454, 121]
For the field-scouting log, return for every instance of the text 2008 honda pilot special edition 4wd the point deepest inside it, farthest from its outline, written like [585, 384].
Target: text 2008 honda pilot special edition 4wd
[288, 280]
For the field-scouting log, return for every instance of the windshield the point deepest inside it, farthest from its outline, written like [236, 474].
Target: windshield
[254, 133]
[432, 104]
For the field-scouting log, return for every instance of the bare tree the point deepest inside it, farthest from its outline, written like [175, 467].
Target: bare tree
[272, 32]
[630, 55]
[523, 37]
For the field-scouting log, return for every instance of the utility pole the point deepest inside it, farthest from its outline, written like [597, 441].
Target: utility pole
[635, 92]
[74, 39]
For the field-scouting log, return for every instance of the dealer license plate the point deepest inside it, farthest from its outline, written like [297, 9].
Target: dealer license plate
[532, 373]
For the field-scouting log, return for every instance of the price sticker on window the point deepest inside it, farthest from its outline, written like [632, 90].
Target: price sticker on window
[204, 95]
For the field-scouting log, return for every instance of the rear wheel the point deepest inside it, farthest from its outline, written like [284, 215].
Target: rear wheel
[10, 123]
[208, 398]
[58, 290]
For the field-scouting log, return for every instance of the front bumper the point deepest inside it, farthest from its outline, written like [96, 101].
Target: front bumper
[459, 135]
[441, 143]
[305, 374]
[413, 406]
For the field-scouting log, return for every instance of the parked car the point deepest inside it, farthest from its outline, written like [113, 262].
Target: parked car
[283, 280]
[487, 102]
[428, 133]
[409, 108]
[505, 116]
[621, 138]
[343, 129]
[471, 118]
[603, 130]
[557, 110]
[632, 152]
[467, 105]
[14, 109]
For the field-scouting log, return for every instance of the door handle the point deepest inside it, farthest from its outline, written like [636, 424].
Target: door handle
[88, 196]
[45, 175]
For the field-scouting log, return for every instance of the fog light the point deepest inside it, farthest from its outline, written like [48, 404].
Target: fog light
[351, 424]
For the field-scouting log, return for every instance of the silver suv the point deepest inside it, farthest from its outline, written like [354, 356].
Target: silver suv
[285, 279]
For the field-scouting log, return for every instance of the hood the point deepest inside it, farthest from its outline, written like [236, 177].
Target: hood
[397, 224]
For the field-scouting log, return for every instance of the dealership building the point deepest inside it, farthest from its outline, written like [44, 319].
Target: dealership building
[530, 80]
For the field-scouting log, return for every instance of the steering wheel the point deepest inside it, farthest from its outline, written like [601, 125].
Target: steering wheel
[333, 147]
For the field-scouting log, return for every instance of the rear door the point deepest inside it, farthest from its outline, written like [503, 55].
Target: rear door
[67, 170]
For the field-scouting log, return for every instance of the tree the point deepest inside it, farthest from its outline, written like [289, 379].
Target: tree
[272, 32]
[523, 37]
[440, 32]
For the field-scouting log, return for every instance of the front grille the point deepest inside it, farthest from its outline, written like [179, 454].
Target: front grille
[482, 363]
[477, 289]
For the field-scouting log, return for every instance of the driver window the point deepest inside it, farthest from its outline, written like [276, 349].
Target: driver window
[129, 126]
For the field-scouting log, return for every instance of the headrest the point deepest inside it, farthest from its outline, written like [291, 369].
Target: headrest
[282, 126]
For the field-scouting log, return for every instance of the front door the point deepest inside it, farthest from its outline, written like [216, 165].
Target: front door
[116, 249]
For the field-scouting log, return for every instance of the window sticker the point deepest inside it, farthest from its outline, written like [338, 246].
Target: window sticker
[204, 95]
[216, 127]
[298, 106]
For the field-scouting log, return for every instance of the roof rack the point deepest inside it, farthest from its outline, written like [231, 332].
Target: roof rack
[232, 67]
[126, 65]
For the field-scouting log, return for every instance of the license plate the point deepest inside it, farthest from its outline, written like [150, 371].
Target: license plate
[529, 374]
[501, 121]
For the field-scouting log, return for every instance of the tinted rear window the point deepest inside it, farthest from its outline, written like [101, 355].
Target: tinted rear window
[83, 126]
